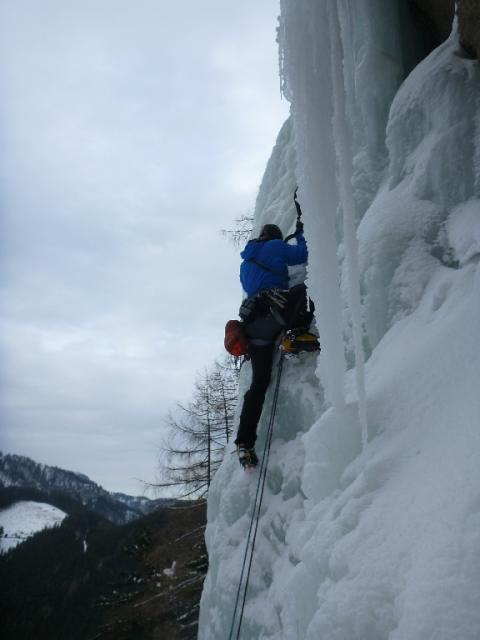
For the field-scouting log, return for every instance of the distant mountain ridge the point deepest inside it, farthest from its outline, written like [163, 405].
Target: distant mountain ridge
[20, 471]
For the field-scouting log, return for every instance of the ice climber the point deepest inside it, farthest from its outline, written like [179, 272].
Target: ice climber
[270, 308]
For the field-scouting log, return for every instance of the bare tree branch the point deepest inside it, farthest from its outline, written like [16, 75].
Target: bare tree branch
[241, 233]
[199, 433]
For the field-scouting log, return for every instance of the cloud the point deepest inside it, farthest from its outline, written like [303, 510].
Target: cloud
[131, 134]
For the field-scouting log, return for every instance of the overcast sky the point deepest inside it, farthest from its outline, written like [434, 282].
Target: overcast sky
[130, 134]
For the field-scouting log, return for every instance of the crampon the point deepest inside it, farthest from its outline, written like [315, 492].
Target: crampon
[296, 341]
[247, 457]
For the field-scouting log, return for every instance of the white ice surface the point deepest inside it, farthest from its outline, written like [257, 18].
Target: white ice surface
[379, 543]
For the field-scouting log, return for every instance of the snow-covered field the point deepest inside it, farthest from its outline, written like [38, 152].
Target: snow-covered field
[370, 525]
[22, 519]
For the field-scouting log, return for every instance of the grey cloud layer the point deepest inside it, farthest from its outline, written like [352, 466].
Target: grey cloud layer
[130, 135]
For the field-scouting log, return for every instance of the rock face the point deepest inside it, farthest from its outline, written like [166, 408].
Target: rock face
[469, 26]
[437, 16]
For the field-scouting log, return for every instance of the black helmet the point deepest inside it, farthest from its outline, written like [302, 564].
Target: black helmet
[271, 232]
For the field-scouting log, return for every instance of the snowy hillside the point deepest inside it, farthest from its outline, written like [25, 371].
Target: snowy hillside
[370, 525]
[19, 471]
[23, 519]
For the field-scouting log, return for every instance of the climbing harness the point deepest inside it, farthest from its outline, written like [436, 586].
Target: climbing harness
[252, 531]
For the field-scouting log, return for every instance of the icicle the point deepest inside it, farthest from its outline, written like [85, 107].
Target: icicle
[344, 176]
[310, 93]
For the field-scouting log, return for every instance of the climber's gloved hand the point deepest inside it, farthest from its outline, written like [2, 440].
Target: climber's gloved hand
[299, 227]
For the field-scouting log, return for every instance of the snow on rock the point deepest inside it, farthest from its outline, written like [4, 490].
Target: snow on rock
[463, 229]
[275, 196]
[431, 173]
[23, 519]
[379, 541]
[393, 539]
[170, 571]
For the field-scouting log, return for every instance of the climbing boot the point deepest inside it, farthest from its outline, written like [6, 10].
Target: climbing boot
[247, 457]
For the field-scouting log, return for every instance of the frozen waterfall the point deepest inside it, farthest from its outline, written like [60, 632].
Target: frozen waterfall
[368, 536]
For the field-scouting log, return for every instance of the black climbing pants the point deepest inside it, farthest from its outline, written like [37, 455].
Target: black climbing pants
[264, 328]
[262, 361]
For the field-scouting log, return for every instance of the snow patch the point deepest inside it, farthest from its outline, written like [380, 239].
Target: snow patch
[170, 571]
[23, 519]
[463, 230]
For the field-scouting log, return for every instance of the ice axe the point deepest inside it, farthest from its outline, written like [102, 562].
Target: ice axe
[299, 225]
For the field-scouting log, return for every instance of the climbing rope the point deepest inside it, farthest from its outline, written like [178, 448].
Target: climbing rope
[249, 549]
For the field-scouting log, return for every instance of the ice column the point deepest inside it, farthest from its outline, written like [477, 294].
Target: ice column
[306, 82]
[343, 148]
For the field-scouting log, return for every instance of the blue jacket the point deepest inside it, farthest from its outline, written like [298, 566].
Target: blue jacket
[274, 254]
